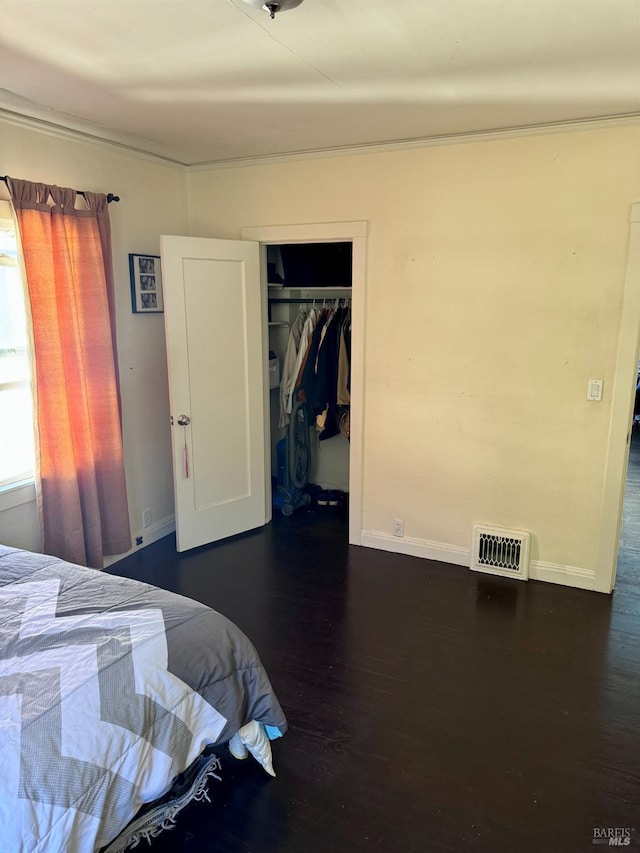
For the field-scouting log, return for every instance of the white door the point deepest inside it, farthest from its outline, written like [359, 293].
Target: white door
[215, 351]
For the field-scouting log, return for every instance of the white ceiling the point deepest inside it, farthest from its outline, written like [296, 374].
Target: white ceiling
[201, 81]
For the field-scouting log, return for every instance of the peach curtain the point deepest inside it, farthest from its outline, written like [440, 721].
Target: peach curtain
[67, 257]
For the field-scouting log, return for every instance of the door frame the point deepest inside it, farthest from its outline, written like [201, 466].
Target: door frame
[329, 232]
[623, 395]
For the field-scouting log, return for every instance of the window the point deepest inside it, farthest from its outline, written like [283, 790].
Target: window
[16, 414]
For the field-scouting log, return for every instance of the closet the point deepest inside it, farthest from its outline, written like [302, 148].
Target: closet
[222, 317]
[309, 321]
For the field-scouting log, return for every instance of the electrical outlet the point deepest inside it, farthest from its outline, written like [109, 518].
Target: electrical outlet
[398, 527]
[146, 517]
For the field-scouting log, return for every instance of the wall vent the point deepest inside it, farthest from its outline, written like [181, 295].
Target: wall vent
[499, 551]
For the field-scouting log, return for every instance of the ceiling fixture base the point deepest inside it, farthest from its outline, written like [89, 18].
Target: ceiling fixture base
[273, 6]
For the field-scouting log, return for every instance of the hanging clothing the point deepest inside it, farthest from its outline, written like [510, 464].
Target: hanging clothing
[305, 339]
[316, 368]
[325, 385]
[343, 395]
[308, 373]
[289, 373]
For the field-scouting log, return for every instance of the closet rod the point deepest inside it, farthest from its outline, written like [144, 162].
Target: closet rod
[308, 299]
[110, 196]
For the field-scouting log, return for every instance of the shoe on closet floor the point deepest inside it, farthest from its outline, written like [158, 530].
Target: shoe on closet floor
[330, 497]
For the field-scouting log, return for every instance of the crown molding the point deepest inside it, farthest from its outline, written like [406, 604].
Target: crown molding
[626, 120]
[79, 134]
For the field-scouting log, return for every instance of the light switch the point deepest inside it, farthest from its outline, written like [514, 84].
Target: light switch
[594, 390]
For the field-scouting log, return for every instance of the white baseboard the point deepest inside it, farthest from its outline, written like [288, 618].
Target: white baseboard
[549, 572]
[150, 534]
[416, 547]
[565, 575]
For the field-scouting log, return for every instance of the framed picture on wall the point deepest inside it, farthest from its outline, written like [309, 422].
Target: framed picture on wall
[146, 284]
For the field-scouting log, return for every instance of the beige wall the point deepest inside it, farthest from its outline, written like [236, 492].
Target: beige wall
[495, 277]
[153, 202]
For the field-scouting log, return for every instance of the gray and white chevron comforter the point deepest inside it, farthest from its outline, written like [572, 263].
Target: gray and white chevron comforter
[108, 689]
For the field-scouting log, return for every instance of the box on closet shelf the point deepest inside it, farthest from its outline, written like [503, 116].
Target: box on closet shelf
[274, 370]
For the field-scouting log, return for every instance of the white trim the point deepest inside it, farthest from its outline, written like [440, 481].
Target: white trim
[88, 134]
[16, 494]
[356, 232]
[572, 576]
[157, 531]
[358, 386]
[77, 134]
[625, 120]
[319, 232]
[623, 395]
[424, 548]
[149, 535]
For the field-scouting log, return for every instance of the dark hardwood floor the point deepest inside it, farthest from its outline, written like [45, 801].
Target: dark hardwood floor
[430, 708]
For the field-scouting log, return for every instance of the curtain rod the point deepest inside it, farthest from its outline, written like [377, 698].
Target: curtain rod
[110, 196]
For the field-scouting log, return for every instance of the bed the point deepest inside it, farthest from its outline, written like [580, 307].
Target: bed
[110, 690]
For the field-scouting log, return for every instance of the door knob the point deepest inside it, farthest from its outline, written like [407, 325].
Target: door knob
[184, 420]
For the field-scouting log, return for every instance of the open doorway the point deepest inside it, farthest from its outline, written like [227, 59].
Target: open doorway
[309, 320]
[355, 234]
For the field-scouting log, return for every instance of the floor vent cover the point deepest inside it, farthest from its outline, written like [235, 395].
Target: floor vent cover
[499, 551]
